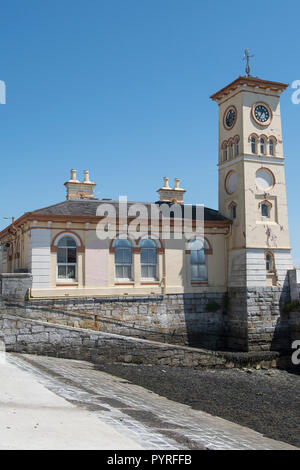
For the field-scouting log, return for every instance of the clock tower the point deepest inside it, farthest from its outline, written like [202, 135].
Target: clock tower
[252, 188]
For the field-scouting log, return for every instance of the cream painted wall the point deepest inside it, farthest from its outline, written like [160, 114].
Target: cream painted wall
[96, 262]
[96, 266]
[40, 258]
[253, 234]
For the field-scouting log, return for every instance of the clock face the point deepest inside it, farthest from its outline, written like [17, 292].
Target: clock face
[230, 118]
[261, 113]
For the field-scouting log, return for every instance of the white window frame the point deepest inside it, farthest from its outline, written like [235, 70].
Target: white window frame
[149, 264]
[253, 145]
[123, 279]
[198, 279]
[67, 280]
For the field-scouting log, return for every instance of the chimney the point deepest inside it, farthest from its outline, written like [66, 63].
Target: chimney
[174, 195]
[80, 190]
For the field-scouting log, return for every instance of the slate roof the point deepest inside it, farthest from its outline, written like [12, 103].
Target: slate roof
[87, 208]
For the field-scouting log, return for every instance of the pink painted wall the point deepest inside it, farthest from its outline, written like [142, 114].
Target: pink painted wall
[96, 263]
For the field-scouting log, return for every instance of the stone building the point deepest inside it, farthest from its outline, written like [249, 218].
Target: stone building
[231, 280]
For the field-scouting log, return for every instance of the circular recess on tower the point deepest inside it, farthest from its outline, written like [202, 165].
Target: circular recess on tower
[264, 179]
[231, 182]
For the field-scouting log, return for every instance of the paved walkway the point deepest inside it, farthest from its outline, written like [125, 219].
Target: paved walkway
[115, 407]
[33, 417]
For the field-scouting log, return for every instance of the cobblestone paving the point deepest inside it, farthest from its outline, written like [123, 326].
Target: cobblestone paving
[151, 420]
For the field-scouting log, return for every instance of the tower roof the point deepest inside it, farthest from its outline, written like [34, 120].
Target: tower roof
[252, 82]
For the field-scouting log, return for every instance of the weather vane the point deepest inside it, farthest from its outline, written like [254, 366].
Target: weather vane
[247, 58]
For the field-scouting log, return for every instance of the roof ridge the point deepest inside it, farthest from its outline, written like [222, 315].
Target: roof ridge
[48, 207]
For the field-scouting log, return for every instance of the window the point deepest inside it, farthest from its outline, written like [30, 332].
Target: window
[253, 144]
[66, 259]
[231, 149]
[233, 211]
[198, 261]
[262, 146]
[225, 153]
[265, 209]
[148, 259]
[271, 147]
[123, 259]
[270, 263]
[237, 150]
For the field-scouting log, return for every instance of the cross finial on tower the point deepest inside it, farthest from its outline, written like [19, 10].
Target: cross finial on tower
[247, 57]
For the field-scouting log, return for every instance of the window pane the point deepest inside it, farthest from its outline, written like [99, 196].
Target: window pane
[147, 243]
[123, 243]
[71, 272]
[194, 272]
[119, 256]
[61, 255]
[127, 272]
[193, 256]
[67, 241]
[202, 276]
[71, 255]
[61, 272]
[264, 210]
[152, 272]
[197, 244]
[144, 271]
[152, 256]
[144, 256]
[119, 272]
[71, 242]
[201, 257]
[127, 255]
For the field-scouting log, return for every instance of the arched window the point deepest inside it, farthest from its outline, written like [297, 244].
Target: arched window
[265, 210]
[262, 146]
[198, 260]
[148, 259]
[123, 259]
[233, 211]
[231, 149]
[253, 145]
[66, 258]
[225, 153]
[237, 150]
[271, 147]
[270, 267]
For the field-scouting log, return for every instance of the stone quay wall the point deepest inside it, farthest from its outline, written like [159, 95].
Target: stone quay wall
[186, 319]
[35, 337]
[257, 319]
[15, 285]
[244, 319]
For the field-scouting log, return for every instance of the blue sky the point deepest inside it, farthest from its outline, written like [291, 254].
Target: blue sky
[121, 87]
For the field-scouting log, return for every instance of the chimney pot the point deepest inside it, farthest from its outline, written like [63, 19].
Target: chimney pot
[177, 181]
[73, 175]
[166, 182]
[86, 176]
